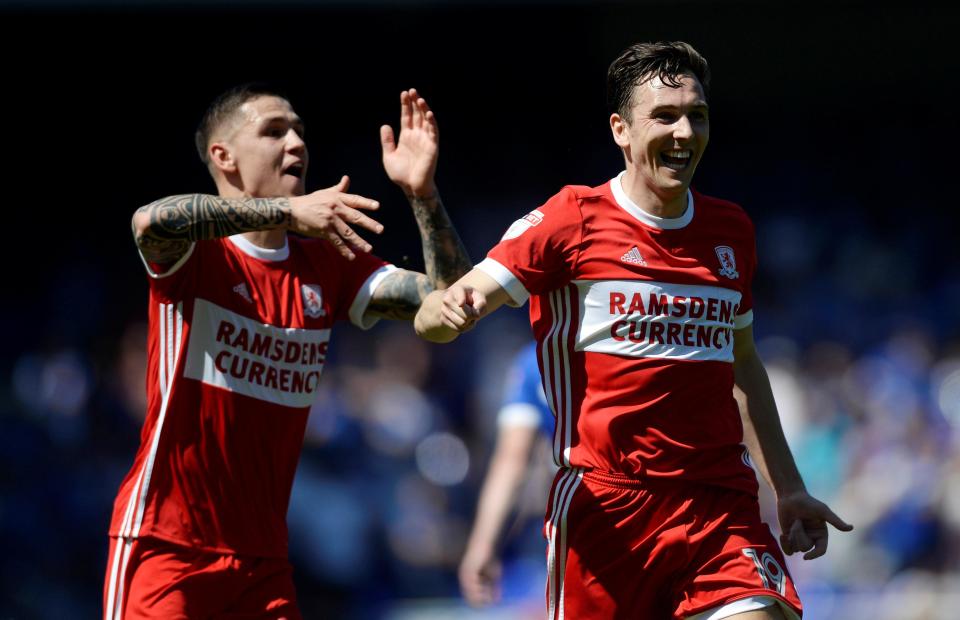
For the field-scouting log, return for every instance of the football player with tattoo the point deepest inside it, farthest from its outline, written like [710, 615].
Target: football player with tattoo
[239, 323]
[640, 302]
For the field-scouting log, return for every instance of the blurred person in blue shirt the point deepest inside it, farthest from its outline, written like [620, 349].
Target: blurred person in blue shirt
[523, 418]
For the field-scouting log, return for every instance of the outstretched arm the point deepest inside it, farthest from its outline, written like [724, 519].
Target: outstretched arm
[164, 229]
[803, 519]
[445, 315]
[479, 570]
[411, 163]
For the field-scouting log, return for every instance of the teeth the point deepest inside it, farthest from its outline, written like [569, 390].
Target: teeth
[679, 154]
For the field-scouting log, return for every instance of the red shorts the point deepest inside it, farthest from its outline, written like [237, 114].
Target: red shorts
[150, 578]
[624, 548]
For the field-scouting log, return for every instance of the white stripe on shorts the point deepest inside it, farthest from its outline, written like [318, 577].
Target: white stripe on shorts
[557, 554]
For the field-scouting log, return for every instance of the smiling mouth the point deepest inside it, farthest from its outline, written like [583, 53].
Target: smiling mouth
[677, 159]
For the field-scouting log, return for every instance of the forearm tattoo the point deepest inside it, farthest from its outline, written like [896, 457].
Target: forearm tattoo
[444, 255]
[177, 221]
[400, 294]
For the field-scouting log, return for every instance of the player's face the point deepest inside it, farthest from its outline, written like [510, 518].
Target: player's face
[268, 148]
[666, 133]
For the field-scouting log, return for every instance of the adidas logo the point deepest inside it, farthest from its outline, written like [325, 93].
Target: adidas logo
[633, 257]
[241, 289]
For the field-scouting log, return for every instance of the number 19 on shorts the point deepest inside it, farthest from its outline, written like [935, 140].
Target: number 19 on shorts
[771, 573]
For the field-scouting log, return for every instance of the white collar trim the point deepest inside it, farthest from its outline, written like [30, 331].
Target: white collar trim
[268, 254]
[667, 223]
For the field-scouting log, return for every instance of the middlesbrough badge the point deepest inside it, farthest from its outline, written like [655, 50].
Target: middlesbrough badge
[312, 300]
[728, 262]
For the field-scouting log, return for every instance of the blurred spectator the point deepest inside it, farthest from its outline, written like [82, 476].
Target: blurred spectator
[857, 301]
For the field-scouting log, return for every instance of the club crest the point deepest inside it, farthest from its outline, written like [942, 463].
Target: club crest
[312, 300]
[728, 262]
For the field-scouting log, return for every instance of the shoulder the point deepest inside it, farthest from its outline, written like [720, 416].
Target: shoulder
[560, 212]
[313, 259]
[572, 198]
[721, 212]
[565, 198]
[719, 206]
[321, 252]
[582, 193]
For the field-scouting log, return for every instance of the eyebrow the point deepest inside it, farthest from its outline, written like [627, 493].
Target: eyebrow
[296, 121]
[700, 105]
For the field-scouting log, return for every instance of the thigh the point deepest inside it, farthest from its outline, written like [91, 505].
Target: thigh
[177, 582]
[734, 557]
[149, 578]
[612, 550]
[268, 592]
[145, 579]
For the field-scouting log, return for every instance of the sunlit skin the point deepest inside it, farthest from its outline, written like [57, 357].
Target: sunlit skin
[261, 154]
[663, 137]
[664, 121]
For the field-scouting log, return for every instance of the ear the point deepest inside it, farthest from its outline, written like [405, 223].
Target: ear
[221, 157]
[619, 127]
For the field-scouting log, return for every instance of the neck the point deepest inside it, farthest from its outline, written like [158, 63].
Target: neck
[661, 204]
[268, 239]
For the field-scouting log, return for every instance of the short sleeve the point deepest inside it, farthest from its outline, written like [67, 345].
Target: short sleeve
[158, 271]
[524, 403]
[538, 252]
[359, 279]
[176, 280]
[358, 309]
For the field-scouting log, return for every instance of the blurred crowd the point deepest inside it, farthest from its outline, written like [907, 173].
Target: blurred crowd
[859, 339]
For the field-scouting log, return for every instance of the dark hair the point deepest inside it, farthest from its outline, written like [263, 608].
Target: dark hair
[640, 62]
[224, 107]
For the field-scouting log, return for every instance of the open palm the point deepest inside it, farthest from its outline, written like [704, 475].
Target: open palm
[411, 161]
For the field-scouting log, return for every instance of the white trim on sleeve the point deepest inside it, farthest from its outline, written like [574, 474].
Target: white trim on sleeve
[518, 414]
[743, 320]
[505, 278]
[173, 268]
[358, 309]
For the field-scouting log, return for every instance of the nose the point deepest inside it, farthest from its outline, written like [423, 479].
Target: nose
[683, 129]
[295, 143]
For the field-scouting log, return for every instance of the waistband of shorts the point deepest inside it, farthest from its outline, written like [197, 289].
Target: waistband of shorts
[616, 479]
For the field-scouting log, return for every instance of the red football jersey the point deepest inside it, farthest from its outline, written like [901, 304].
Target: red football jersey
[238, 337]
[634, 316]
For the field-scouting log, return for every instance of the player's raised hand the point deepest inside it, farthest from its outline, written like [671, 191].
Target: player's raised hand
[411, 161]
[329, 213]
[461, 307]
[803, 521]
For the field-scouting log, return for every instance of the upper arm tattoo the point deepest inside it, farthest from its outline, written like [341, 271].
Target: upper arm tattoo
[177, 221]
[444, 255]
[399, 295]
